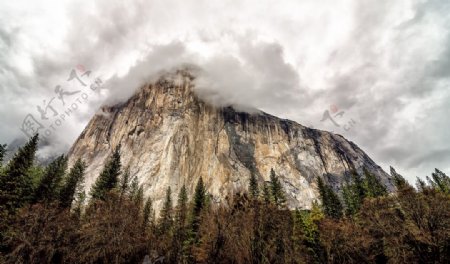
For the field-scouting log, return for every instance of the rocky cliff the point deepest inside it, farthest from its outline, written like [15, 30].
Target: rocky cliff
[170, 137]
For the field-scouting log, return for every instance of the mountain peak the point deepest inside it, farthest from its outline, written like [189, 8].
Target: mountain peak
[170, 137]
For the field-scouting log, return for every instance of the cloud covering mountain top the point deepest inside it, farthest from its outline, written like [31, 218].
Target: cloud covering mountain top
[380, 68]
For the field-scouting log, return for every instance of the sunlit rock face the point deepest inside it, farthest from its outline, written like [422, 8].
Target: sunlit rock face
[170, 137]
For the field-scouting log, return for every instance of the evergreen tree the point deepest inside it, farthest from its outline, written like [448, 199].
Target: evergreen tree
[2, 153]
[16, 185]
[72, 183]
[109, 177]
[253, 186]
[441, 181]
[146, 214]
[50, 184]
[198, 205]
[181, 214]
[266, 193]
[165, 221]
[353, 194]
[80, 198]
[124, 183]
[374, 187]
[351, 200]
[399, 181]
[331, 204]
[420, 184]
[134, 187]
[307, 233]
[276, 189]
[138, 198]
[180, 226]
[199, 197]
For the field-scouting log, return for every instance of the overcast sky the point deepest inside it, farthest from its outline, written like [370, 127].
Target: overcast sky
[380, 67]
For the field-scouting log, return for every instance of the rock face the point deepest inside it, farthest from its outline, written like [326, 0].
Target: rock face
[170, 137]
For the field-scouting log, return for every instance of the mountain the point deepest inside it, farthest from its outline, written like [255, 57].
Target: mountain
[170, 137]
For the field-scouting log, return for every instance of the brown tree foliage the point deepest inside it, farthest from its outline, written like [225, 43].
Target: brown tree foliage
[409, 226]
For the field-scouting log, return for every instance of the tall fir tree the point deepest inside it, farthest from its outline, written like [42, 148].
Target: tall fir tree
[166, 220]
[276, 189]
[124, 183]
[373, 185]
[72, 183]
[198, 204]
[134, 187]
[109, 177]
[266, 193]
[79, 200]
[138, 197]
[16, 185]
[331, 204]
[441, 181]
[147, 212]
[253, 186]
[182, 207]
[420, 184]
[353, 194]
[3, 148]
[399, 181]
[199, 197]
[350, 198]
[50, 184]
[179, 226]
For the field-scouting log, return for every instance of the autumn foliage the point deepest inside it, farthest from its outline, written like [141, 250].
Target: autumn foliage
[361, 224]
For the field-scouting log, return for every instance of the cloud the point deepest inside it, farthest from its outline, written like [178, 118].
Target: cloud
[384, 63]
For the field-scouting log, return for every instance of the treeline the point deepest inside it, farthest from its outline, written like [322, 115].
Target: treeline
[47, 218]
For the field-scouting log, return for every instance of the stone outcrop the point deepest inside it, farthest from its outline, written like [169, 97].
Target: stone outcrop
[170, 137]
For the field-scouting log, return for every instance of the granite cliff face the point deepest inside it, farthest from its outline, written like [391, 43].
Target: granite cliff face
[170, 137]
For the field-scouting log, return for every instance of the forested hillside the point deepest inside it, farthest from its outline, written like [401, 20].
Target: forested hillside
[47, 217]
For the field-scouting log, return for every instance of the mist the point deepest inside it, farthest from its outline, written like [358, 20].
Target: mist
[385, 64]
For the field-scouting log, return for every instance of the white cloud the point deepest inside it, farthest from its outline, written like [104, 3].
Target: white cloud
[384, 62]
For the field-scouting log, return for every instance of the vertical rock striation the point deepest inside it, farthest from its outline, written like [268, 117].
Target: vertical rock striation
[170, 137]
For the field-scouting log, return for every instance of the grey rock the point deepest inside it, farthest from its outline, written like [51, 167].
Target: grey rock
[171, 137]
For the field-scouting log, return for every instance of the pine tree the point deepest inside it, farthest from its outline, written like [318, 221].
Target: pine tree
[441, 180]
[199, 197]
[399, 181]
[108, 178]
[199, 203]
[351, 200]
[181, 214]
[2, 153]
[180, 226]
[276, 189]
[266, 193]
[72, 182]
[353, 194]
[134, 187]
[80, 198]
[306, 231]
[124, 183]
[146, 214]
[420, 184]
[49, 186]
[331, 204]
[253, 186]
[374, 187]
[165, 221]
[16, 185]
[138, 198]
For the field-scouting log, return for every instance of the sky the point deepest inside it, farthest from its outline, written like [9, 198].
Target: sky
[375, 71]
